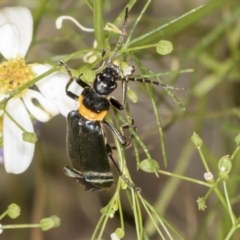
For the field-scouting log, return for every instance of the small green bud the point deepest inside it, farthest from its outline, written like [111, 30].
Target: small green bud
[132, 95]
[113, 209]
[197, 140]
[51, 222]
[224, 167]
[111, 214]
[164, 47]
[14, 210]
[122, 65]
[88, 75]
[225, 164]
[29, 137]
[115, 206]
[149, 165]
[118, 234]
[104, 210]
[237, 140]
[201, 204]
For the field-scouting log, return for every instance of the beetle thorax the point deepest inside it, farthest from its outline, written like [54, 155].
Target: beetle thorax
[105, 82]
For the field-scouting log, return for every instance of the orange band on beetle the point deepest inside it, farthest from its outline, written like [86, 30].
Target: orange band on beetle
[85, 112]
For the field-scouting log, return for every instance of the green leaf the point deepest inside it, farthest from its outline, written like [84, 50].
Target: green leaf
[176, 25]
[98, 23]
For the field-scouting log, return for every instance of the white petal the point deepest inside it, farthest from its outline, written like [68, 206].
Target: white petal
[21, 18]
[2, 96]
[17, 153]
[53, 88]
[9, 41]
[45, 111]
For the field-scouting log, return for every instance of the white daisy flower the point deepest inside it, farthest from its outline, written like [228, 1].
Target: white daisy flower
[16, 27]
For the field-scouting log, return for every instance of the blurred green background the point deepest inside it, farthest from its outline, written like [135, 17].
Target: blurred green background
[206, 41]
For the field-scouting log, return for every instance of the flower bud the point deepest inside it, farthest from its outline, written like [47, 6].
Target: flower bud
[149, 165]
[118, 234]
[111, 214]
[115, 206]
[201, 204]
[29, 137]
[224, 166]
[132, 95]
[51, 222]
[14, 210]
[197, 140]
[164, 47]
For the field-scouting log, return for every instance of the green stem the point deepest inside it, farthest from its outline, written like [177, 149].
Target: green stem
[3, 215]
[166, 195]
[229, 236]
[137, 48]
[136, 137]
[120, 213]
[20, 226]
[234, 153]
[98, 23]
[105, 219]
[203, 160]
[221, 198]
[13, 120]
[228, 203]
[137, 21]
[135, 212]
[152, 218]
[185, 178]
[159, 124]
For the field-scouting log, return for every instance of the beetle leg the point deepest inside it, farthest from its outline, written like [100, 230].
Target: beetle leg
[125, 179]
[72, 78]
[115, 102]
[120, 135]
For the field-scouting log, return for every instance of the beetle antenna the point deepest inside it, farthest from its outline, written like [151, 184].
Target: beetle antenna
[121, 37]
[145, 80]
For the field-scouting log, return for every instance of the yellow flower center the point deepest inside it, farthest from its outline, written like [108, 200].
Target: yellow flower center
[13, 74]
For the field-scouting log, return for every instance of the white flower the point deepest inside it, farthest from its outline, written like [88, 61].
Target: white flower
[16, 27]
[208, 176]
[114, 236]
[118, 234]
